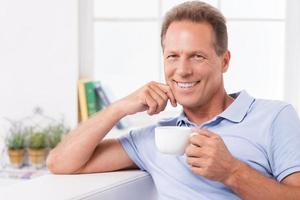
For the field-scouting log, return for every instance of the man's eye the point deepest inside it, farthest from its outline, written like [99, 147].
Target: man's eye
[171, 56]
[198, 57]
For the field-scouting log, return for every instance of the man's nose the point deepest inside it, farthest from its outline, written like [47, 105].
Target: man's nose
[184, 68]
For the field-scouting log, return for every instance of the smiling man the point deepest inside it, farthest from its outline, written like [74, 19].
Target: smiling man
[245, 148]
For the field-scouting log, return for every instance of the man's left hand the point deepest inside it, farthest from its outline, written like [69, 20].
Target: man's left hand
[209, 157]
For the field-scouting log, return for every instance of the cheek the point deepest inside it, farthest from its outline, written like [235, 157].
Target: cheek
[203, 72]
[210, 71]
[168, 71]
[215, 78]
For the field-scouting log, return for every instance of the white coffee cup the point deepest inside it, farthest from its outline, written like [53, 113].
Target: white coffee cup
[172, 139]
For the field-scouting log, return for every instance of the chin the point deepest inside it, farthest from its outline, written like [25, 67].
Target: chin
[187, 103]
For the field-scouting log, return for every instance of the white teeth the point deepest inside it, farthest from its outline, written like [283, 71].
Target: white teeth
[186, 85]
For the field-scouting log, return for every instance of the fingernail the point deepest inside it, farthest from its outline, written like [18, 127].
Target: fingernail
[193, 133]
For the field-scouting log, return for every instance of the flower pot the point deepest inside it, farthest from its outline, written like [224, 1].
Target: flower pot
[16, 157]
[37, 157]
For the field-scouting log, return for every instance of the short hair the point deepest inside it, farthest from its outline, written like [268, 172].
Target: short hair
[197, 11]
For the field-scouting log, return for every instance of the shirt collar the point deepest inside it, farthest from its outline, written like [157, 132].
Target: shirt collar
[239, 108]
[236, 112]
[182, 120]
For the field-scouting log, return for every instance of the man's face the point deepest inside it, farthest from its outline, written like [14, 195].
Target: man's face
[193, 70]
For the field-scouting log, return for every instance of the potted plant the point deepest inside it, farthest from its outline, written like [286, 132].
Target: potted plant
[55, 134]
[37, 144]
[15, 143]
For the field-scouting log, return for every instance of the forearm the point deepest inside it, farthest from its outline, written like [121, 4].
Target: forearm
[249, 184]
[78, 146]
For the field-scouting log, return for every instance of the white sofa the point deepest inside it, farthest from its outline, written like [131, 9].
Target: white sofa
[131, 185]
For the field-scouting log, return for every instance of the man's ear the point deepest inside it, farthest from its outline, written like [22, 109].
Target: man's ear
[225, 61]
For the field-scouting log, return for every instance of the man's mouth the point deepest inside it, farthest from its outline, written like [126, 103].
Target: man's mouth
[186, 85]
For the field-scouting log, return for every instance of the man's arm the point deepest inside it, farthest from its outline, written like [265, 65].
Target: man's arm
[83, 151]
[208, 157]
[104, 152]
[82, 145]
[250, 184]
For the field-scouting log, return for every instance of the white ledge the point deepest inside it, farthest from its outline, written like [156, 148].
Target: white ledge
[131, 185]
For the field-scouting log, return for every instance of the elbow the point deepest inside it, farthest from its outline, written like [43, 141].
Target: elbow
[52, 164]
[55, 166]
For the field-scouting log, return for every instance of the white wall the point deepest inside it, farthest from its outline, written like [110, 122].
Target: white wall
[127, 50]
[38, 59]
[292, 61]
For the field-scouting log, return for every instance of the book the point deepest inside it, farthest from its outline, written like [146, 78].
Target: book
[82, 100]
[105, 101]
[92, 101]
[102, 94]
[92, 97]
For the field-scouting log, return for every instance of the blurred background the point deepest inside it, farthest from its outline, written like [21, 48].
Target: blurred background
[46, 46]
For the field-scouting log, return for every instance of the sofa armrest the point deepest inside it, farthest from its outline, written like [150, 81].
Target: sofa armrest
[132, 184]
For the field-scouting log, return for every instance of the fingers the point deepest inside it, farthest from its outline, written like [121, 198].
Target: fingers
[198, 170]
[167, 91]
[159, 91]
[198, 140]
[193, 151]
[155, 102]
[205, 132]
[196, 162]
[202, 142]
[156, 97]
[151, 103]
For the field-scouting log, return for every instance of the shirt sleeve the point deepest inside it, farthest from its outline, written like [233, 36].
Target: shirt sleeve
[285, 143]
[135, 144]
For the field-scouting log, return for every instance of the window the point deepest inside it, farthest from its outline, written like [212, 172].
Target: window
[127, 52]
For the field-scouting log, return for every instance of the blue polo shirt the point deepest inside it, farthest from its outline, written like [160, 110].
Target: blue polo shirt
[263, 134]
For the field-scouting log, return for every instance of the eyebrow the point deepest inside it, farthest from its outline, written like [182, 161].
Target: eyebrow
[189, 53]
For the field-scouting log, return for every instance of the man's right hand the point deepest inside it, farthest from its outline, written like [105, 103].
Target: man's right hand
[85, 151]
[153, 98]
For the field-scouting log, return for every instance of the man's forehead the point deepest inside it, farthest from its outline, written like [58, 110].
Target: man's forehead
[188, 47]
[188, 25]
[188, 34]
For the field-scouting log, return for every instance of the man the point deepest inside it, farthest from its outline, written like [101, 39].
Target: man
[245, 148]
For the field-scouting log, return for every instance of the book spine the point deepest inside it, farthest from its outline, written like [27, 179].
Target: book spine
[101, 95]
[106, 102]
[91, 98]
[82, 101]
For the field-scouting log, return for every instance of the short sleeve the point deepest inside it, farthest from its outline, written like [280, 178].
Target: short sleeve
[135, 144]
[285, 143]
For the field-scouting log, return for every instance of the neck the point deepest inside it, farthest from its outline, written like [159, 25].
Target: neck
[215, 105]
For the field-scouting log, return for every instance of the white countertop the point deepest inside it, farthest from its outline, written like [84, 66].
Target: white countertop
[7, 181]
[132, 184]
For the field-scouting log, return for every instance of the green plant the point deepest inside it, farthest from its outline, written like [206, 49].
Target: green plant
[15, 141]
[16, 138]
[37, 140]
[55, 133]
